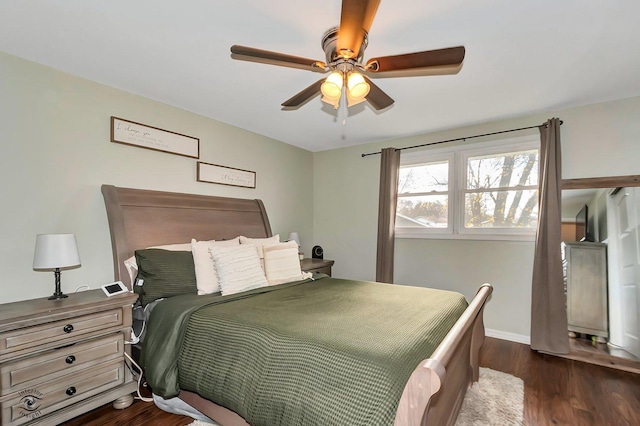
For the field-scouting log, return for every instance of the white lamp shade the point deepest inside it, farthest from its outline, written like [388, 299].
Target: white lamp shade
[293, 236]
[55, 251]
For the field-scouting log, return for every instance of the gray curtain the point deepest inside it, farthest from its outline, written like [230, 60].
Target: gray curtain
[389, 169]
[548, 301]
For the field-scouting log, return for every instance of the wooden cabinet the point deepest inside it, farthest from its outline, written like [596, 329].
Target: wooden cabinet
[585, 274]
[316, 265]
[62, 358]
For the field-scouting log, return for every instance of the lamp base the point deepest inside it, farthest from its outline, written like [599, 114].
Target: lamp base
[57, 294]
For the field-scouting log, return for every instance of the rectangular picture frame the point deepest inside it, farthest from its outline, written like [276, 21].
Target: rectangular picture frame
[129, 132]
[223, 175]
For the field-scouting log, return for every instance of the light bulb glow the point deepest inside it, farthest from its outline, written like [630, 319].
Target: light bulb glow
[353, 101]
[357, 87]
[332, 86]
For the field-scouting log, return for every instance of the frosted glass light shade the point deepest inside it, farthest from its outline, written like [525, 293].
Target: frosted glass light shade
[335, 102]
[353, 101]
[55, 251]
[332, 86]
[357, 86]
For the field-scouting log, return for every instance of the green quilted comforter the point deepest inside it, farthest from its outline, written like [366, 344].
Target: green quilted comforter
[323, 352]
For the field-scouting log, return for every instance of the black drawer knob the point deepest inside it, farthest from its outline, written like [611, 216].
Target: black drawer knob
[71, 391]
[29, 403]
[68, 328]
[70, 359]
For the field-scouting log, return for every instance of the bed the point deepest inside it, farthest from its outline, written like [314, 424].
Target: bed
[430, 392]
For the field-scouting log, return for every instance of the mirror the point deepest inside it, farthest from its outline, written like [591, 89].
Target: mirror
[609, 223]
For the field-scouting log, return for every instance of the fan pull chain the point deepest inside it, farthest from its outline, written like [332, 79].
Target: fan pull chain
[344, 108]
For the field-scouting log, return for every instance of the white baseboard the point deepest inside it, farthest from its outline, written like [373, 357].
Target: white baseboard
[512, 337]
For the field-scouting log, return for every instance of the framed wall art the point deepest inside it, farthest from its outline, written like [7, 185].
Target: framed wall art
[137, 134]
[214, 173]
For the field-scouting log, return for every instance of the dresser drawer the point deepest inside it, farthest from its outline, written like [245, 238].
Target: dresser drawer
[325, 270]
[59, 331]
[33, 402]
[30, 371]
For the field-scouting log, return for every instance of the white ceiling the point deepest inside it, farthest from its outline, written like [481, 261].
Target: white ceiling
[522, 57]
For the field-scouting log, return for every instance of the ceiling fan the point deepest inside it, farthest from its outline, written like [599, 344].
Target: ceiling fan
[344, 48]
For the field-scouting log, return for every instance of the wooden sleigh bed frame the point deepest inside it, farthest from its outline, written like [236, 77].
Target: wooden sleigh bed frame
[139, 219]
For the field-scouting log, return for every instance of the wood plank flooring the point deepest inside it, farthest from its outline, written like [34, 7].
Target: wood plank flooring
[558, 391]
[561, 391]
[602, 354]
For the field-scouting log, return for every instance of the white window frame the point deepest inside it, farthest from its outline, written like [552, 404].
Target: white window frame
[458, 157]
[418, 158]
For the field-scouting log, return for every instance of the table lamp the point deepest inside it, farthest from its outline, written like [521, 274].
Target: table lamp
[293, 236]
[55, 252]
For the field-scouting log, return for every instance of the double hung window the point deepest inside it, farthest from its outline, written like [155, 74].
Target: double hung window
[487, 191]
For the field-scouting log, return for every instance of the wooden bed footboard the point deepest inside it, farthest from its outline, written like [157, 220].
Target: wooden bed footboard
[435, 390]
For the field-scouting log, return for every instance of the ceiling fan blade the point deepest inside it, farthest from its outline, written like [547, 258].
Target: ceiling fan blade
[355, 20]
[376, 97]
[251, 54]
[441, 61]
[305, 95]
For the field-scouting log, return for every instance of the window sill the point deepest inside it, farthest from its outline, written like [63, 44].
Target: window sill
[475, 237]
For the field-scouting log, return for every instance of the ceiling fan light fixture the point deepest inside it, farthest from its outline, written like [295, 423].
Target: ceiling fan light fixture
[335, 102]
[332, 86]
[357, 87]
[351, 101]
[344, 47]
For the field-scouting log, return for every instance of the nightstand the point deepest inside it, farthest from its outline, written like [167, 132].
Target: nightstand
[322, 266]
[62, 358]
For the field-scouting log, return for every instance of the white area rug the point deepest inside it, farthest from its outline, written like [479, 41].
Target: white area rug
[496, 400]
[200, 423]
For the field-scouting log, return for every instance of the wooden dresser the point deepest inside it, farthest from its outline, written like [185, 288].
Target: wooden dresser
[62, 358]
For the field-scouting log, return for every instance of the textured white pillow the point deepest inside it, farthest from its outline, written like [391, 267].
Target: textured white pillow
[206, 278]
[281, 263]
[238, 268]
[260, 242]
[132, 265]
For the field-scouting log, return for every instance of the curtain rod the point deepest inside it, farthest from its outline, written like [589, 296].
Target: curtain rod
[462, 139]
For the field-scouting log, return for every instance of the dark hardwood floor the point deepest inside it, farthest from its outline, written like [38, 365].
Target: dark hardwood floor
[558, 391]
[561, 391]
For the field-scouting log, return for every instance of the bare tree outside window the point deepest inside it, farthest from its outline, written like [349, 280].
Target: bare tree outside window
[502, 191]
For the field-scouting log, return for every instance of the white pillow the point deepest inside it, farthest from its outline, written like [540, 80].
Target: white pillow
[238, 268]
[260, 242]
[206, 278]
[282, 264]
[132, 265]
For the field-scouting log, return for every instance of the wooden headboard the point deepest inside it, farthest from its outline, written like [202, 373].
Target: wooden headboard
[141, 218]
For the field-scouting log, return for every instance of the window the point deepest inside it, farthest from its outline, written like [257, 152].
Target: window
[489, 191]
[424, 194]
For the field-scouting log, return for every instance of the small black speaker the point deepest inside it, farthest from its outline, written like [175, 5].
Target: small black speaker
[317, 252]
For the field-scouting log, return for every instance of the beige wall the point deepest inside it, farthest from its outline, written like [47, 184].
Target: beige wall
[54, 135]
[597, 140]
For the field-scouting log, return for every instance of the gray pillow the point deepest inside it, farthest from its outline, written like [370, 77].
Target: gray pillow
[165, 273]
